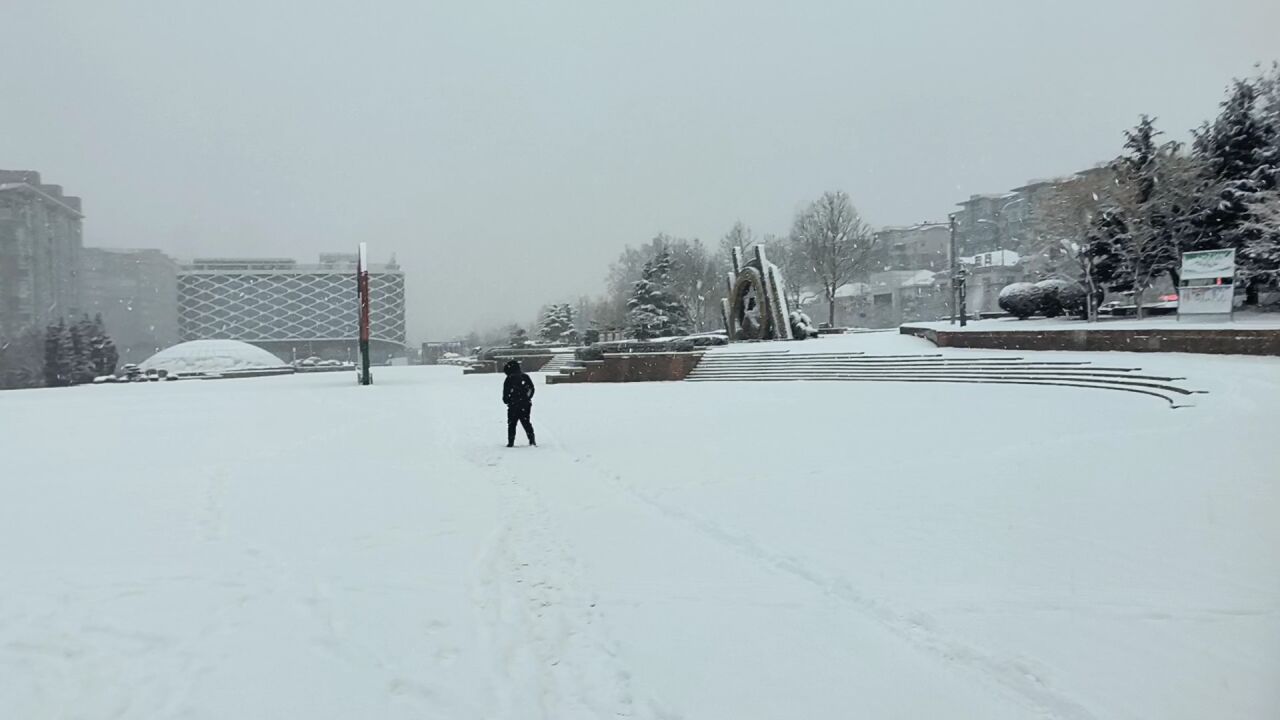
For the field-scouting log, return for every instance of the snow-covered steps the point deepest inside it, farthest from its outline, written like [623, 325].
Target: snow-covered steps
[558, 362]
[934, 368]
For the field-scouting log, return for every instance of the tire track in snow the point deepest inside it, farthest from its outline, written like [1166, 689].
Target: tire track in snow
[553, 657]
[1018, 677]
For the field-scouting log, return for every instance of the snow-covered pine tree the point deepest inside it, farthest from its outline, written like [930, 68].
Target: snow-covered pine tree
[1151, 182]
[104, 355]
[557, 320]
[83, 337]
[654, 310]
[22, 359]
[568, 321]
[547, 324]
[1268, 83]
[58, 353]
[1240, 159]
[643, 315]
[1103, 247]
[519, 336]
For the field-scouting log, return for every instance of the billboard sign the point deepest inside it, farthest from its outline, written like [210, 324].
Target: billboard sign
[1207, 286]
[1206, 300]
[1208, 264]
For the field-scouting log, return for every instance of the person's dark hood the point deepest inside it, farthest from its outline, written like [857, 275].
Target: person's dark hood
[512, 367]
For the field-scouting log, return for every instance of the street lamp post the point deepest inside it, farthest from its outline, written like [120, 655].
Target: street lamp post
[952, 262]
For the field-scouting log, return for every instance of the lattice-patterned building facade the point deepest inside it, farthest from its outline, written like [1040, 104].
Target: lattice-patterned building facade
[291, 309]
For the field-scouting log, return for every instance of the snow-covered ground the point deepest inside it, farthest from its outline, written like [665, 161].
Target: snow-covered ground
[303, 547]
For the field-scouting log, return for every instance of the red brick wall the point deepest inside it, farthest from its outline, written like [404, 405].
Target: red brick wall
[1219, 342]
[645, 367]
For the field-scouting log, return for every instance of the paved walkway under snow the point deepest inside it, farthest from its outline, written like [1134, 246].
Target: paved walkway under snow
[302, 547]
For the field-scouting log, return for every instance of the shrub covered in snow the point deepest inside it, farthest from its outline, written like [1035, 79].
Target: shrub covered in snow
[1058, 296]
[802, 326]
[1021, 299]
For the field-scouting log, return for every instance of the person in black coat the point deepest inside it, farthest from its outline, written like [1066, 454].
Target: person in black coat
[517, 393]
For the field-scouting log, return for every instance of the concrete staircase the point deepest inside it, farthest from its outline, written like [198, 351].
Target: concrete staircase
[776, 366]
[558, 362]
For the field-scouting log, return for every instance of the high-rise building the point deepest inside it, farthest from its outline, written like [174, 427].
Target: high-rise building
[291, 309]
[40, 242]
[915, 247]
[136, 292]
[983, 223]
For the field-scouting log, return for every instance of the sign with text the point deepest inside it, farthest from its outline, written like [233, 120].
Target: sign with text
[1206, 300]
[1208, 264]
[1208, 286]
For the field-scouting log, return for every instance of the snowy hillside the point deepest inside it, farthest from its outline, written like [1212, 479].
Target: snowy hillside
[896, 550]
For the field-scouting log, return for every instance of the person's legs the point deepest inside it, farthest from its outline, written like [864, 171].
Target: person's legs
[525, 413]
[513, 416]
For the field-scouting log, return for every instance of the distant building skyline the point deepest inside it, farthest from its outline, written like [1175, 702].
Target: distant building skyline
[292, 309]
[41, 237]
[136, 292]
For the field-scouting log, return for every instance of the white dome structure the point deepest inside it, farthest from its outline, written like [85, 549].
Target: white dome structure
[211, 356]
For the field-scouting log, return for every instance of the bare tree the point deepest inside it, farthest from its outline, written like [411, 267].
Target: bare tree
[1062, 225]
[738, 236]
[796, 273]
[836, 244]
[695, 278]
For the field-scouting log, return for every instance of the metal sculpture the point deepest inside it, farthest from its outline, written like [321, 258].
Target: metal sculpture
[756, 308]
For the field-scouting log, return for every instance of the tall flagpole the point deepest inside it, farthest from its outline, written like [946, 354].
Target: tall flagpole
[362, 286]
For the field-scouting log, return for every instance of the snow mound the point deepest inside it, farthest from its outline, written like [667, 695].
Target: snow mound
[211, 356]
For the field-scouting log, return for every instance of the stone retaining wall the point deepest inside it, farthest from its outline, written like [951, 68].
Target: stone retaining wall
[640, 367]
[1217, 342]
[528, 363]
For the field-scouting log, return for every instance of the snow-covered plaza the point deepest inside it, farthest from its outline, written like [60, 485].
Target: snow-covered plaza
[302, 547]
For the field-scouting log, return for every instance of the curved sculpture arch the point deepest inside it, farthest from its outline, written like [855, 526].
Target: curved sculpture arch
[749, 307]
[756, 308]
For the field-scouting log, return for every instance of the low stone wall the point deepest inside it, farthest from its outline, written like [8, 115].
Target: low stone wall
[639, 367]
[1217, 342]
[528, 363]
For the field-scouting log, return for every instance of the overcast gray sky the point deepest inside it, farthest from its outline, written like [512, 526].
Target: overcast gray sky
[506, 151]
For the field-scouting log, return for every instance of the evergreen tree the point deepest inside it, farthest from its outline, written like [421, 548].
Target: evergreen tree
[103, 352]
[568, 321]
[1268, 83]
[654, 310]
[1136, 237]
[84, 335]
[58, 354]
[519, 337]
[22, 359]
[557, 323]
[1240, 161]
[1104, 250]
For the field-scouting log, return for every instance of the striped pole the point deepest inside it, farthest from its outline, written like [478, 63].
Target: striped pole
[362, 286]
